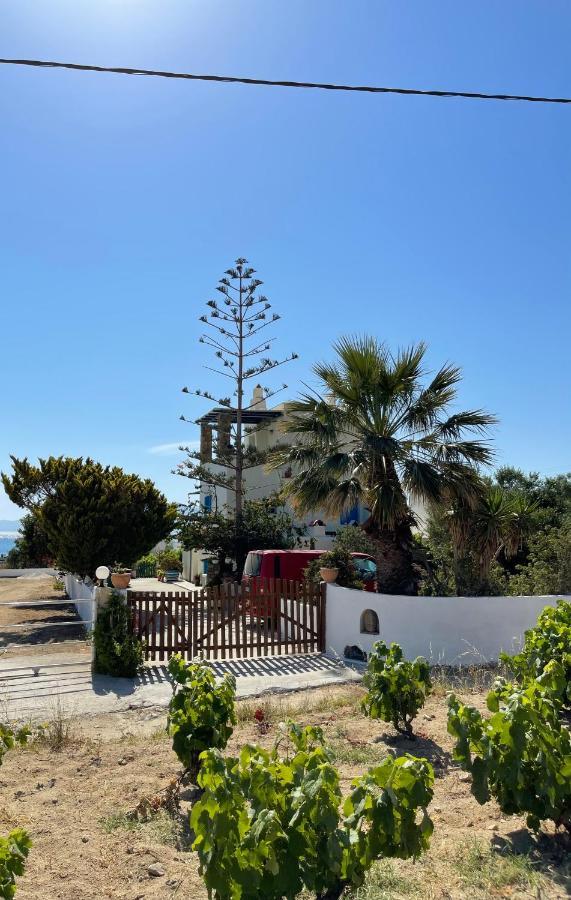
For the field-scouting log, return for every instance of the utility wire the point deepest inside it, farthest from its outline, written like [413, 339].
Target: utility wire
[266, 82]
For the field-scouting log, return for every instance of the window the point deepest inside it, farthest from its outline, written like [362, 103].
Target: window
[369, 622]
[253, 564]
[208, 503]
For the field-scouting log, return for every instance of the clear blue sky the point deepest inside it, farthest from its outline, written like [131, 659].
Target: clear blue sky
[124, 199]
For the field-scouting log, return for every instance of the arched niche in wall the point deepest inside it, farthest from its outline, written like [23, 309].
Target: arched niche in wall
[369, 622]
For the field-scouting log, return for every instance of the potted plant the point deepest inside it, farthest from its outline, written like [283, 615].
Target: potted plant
[328, 568]
[120, 576]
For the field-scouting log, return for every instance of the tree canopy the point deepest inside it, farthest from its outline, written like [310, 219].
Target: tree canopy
[90, 514]
[263, 525]
[380, 433]
[516, 539]
[31, 548]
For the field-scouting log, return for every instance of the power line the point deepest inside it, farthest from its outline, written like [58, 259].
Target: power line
[266, 82]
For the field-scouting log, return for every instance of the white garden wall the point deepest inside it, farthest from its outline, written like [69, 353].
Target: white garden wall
[82, 593]
[447, 630]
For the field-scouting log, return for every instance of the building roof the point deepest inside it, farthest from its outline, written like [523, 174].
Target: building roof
[249, 416]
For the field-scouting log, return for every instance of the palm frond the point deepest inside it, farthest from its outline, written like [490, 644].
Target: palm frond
[422, 480]
[469, 420]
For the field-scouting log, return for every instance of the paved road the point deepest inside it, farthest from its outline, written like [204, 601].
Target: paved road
[33, 688]
[18, 573]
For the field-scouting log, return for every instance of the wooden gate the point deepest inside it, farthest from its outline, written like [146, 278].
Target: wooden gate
[227, 622]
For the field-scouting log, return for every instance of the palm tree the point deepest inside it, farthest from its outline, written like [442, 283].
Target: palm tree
[381, 438]
[497, 523]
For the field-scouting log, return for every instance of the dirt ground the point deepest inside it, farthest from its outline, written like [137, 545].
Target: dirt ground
[74, 801]
[29, 591]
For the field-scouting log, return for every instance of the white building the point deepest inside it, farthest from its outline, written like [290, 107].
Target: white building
[263, 431]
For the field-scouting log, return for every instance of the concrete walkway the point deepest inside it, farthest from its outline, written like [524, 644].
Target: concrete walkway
[161, 587]
[36, 688]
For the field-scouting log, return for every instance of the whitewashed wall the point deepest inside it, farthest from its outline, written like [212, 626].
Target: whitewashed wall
[447, 630]
[82, 593]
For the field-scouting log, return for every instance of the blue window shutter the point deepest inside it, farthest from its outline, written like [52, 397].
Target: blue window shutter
[352, 515]
[208, 502]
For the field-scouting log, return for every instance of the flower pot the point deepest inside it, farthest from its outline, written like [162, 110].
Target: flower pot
[120, 580]
[329, 576]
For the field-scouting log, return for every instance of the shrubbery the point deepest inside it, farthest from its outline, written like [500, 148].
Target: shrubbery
[521, 755]
[117, 651]
[90, 514]
[201, 713]
[396, 687]
[169, 559]
[337, 558]
[549, 640]
[268, 826]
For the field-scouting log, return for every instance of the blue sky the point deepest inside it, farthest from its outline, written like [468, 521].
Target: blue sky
[124, 199]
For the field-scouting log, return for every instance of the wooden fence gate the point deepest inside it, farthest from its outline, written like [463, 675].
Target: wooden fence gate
[229, 622]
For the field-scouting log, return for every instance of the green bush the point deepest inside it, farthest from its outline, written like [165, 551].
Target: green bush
[396, 687]
[201, 713]
[9, 738]
[149, 559]
[169, 559]
[547, 568]
[14, 848]
[117, 651]
[549, 640]
[267, 827]
[335, 559]
[521, 755]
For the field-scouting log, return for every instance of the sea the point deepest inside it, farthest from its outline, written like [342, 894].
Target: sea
[7, 541]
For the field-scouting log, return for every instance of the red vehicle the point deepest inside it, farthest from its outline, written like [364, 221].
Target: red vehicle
[290, 564]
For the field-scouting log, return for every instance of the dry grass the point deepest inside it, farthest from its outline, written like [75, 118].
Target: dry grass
[78, 806]
[279, 707]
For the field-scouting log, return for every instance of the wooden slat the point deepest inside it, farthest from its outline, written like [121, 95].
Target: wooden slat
[229, 619]
[278, 621]
[304, 623]
[245, 602]
[195, 611]
[171, 631]
[237, 638]
[311, 612]
[257, 619]
[145, 625]
[269, 606]
[155, 626]
[162, 628]
[216, 613]
[186, 626]
[177, 621]
[263, 607]
[295, 625]
[212, 599]
[242, 613]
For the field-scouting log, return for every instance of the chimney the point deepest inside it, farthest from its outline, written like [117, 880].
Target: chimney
[205, 443]
[258, 398]
[223, 449]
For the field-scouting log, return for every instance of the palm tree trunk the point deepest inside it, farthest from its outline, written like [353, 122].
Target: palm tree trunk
[395, 570]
